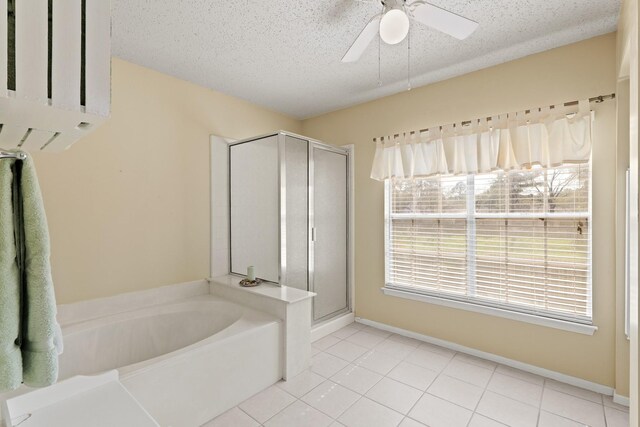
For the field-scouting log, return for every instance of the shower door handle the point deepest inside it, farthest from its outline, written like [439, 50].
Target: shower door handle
[313, 234]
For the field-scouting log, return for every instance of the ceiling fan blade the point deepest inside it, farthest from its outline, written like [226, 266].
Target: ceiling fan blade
[363, 40]
[444, 21]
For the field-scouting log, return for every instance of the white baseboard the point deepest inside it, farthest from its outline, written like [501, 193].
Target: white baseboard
[330, 326]
[578, 382]
[620, 400]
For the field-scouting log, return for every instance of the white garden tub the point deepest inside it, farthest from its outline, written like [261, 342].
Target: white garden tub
[185, 362]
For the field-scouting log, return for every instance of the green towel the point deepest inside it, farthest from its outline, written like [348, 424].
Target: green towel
[10, 357]
[39, 325]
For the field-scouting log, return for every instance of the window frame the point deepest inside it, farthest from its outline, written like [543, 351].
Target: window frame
[582, 325]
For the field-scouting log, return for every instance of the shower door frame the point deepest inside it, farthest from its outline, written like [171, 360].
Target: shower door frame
[311, 234]
[282, 203]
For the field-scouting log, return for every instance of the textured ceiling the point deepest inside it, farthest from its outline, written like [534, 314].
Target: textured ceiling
[285, 55]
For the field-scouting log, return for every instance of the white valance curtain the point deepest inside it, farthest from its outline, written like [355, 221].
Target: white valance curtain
[546, 136]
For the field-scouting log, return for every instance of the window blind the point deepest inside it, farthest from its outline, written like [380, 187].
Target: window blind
[518, 240]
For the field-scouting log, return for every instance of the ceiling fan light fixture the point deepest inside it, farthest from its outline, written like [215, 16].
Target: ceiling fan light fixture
[394, 26]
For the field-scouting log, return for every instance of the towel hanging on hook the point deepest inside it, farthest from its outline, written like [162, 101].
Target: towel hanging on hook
[30, 337]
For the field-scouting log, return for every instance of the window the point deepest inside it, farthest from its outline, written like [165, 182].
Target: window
[518, 241]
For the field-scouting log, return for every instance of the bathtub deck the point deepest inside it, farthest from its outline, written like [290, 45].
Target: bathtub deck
[99, 401]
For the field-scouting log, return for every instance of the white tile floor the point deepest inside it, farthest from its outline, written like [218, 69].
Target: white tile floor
[365, 377]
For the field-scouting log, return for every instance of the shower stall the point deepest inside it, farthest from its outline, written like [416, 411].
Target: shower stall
[289, 216]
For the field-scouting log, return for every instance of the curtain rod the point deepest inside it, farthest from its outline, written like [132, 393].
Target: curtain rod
[10, 155]
[597, 99]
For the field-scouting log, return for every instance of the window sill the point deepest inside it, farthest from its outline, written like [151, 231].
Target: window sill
[521, 317]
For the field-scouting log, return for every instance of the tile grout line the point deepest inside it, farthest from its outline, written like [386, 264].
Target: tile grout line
[329, 379]
[573, 395]
[519, 378]
[424, 392]
[503, 394]
[388, 407]
[486, 387]
[242, 410]
[368, 351]
[544, 382]
[349, 407]
[459, 361]
[294, 397]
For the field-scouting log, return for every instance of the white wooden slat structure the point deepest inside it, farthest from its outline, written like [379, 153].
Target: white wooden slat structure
[63, 140]
[36, 139]
[11, 136]
[3, 49]
[66, 54]
[32, 49]
[98, 62]
[29, 119]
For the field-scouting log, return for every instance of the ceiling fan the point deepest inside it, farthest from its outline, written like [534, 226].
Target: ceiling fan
[393, 24]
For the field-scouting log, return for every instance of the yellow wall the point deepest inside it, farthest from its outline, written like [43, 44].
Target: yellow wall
[128, 206]
[567, 73]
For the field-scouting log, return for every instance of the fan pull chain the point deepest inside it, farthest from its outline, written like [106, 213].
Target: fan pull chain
[409, 59]
[379, 54]
[379, 66]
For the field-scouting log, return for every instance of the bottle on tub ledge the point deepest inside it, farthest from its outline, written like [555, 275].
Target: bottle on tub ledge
[251, 279]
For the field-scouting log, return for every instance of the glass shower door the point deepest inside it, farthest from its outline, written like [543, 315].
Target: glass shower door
[328, 272]
[254, 208]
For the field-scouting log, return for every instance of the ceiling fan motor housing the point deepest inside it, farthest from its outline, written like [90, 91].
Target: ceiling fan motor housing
[393, 4]
[394, 24]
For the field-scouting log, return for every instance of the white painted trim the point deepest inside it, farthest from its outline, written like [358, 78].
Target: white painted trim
[568, 379]
[494, 311]
[351, 148]
[218, 194]
[620, 400]
[328, 327]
